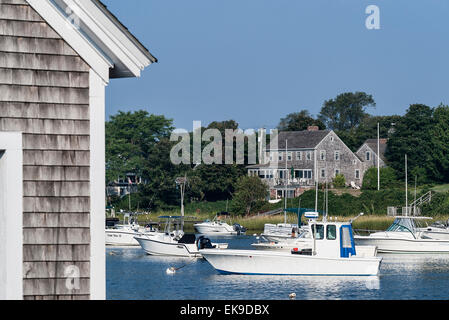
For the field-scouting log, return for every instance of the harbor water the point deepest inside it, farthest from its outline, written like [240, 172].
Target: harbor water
[134, 275]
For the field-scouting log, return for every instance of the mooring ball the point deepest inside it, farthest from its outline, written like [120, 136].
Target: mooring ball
[170, 270]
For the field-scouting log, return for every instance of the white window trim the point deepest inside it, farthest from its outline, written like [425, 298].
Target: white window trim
[335, 155]
[323, 155]
[309, 155]
[355, 174]
[11, 216]
[298, 155]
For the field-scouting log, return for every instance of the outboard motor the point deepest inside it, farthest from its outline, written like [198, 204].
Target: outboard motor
[204, 243]
[239, 228]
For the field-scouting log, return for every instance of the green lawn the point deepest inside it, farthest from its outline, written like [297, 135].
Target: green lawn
[441, 188]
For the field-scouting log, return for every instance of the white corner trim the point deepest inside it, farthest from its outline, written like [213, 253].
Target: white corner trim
[11, 216]
[72, 36]
[97, 187]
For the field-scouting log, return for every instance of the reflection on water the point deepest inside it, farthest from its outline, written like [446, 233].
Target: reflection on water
[132, 274]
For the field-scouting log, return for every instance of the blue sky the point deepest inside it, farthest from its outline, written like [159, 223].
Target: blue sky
[255, 61]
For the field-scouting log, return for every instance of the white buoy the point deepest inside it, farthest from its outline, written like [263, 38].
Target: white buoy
[170, 270]
[292, 296]
[255, 235]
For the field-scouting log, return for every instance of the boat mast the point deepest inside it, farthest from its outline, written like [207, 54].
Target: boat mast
[378, 157]
[406, 188]
[286, 183]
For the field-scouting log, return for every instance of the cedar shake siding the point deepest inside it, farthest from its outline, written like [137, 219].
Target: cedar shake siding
[44, 93]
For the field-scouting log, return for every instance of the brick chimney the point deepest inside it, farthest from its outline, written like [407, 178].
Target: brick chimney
[313, 128]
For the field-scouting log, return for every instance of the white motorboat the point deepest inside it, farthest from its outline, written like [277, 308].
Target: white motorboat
[438, 230]
[123, 234]
[403, 236]
[175, 242]
[219, 227]
[333, 252]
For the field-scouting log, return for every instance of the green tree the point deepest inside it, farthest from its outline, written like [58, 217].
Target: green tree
[388, 178]
[138, 142]
[249, 193]
[439, 135]
[299, 121]
[367, 129]
[412, 136]
[346, 111]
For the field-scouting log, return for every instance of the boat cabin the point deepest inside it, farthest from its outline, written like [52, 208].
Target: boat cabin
[331, 239]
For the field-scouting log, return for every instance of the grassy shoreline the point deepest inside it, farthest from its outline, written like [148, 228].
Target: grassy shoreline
[255, 224]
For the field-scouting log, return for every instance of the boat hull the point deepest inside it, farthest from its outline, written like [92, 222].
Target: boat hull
[253, 262]
[160, 248]
[120, 238]
[215, 229]
[397, 245]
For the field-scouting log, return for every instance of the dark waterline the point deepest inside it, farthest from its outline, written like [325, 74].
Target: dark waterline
[132, 274]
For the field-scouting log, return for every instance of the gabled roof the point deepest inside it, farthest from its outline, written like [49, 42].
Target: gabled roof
[299, 139]
[96, 35]
[372, 144]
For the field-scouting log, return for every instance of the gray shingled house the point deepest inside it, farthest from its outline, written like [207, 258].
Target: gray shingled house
[311, 155]
[56, 59]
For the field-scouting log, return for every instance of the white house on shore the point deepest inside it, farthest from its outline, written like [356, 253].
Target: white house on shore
[56, 59]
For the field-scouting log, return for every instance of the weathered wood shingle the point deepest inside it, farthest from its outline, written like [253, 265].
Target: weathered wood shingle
[44, 93]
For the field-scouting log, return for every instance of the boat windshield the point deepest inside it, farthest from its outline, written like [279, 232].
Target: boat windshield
[402, 225]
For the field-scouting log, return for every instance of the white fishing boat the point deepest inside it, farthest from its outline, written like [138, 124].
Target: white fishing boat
[403, 236]
[175, 242]
[333, 252]
[123, 234]
[219, 227]
[438, 230]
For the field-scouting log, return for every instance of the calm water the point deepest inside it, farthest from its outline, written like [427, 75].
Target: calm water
[132, 274]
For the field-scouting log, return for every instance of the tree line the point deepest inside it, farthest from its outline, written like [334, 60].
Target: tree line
[139, 142]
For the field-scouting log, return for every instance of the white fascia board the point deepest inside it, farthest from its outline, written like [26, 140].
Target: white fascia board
[87, 51]
[112, 38]
[115, 32]
[90, 18]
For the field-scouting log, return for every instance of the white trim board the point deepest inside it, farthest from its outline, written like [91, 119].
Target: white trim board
[11, 216]
[95, 37]
[97, 187]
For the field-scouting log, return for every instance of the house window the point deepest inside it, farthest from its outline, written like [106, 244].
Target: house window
[323, 155]
[309, 155]
[323, 173]
[298, 155]
[337, 155]
[337, 171]
[289, 156]
[357, 174]
[281, 156]
[368, 156]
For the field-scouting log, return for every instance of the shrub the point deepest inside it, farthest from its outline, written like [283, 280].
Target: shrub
[339, 181]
